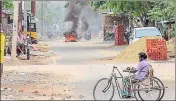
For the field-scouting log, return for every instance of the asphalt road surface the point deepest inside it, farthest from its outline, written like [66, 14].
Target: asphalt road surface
[77, 53]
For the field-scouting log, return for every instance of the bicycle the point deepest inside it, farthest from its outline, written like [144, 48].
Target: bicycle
[133, 88]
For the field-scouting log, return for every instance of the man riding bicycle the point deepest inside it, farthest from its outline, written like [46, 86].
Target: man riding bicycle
[140, 72]
[142, 67]
[139, 83]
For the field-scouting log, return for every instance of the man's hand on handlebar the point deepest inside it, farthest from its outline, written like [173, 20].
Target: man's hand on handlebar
[131, 70]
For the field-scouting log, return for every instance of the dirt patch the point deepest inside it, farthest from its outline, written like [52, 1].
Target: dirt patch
[35, 86]
[34, 60]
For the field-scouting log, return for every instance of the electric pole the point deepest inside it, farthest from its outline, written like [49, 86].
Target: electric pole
[15, 26]
[1, 15]
[25, 16]
[20, 16]
[42, 18]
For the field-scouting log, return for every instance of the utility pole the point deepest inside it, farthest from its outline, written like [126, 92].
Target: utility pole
[25, 16]
[1, 15]
[20, 16]
[42, 18]
[1, 64]
[15, 26]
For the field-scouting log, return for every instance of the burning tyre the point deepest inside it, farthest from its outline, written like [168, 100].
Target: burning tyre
[70, 36]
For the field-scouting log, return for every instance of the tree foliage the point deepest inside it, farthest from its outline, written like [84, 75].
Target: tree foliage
[7, 4]
[155, 10]
[136, 8]
[163, 10]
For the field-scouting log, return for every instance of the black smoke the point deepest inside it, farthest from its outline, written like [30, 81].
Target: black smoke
[74, 15]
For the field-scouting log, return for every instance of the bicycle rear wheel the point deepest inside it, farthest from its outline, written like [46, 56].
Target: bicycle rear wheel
[161, 86]
[105, 89]
[146, 88]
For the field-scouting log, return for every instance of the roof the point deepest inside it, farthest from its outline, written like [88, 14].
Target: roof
[168, 21]
[107, 12]
[145, 28]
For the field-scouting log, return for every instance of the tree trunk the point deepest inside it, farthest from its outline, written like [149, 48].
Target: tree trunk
[142, 21]
[15, 26]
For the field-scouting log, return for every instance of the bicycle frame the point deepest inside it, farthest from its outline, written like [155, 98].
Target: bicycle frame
[113, 75]
[119, 89]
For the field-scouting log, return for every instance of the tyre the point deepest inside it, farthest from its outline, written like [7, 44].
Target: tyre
[143, 88]
[107, 88]
[28, 54]
[135, 92]
[1, 66]
[161, 85]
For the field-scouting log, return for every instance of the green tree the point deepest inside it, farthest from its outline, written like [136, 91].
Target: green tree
[134, 8]
[7, 4]
[162, 10]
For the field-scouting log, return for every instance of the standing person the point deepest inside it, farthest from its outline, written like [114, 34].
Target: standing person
[112, 34]
[169, 31]
[114, 28]
[161, 29]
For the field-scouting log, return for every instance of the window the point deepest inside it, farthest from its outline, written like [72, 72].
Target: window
[147, 32]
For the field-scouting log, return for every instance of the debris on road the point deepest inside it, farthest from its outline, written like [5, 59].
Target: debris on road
[40, 47]
[38, 53]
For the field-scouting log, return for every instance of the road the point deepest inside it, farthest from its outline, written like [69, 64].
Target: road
[81, 52]
[74, 61]
[80, 83]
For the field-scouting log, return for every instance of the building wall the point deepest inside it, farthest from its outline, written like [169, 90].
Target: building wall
[4, 20]
[109, 21]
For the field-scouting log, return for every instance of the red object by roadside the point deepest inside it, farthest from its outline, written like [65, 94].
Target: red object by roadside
[156, 49]
[119, 35]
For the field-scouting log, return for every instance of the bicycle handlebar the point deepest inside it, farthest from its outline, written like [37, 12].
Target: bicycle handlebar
[131, 70]
[114, 67]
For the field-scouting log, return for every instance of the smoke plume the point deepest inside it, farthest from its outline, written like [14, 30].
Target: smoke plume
[83, 18]
[74, 12]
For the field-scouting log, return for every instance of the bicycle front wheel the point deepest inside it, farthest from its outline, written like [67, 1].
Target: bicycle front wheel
[103, 90]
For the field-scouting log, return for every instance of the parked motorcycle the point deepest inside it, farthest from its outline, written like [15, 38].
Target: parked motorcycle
[88, 35]
[127, 34]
